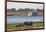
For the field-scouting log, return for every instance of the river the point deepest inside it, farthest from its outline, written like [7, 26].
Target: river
[21, 19]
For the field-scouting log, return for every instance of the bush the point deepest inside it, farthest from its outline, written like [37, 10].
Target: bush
[31, 23]
[26, 23]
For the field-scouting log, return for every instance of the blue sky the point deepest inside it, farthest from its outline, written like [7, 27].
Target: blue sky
[24, 5]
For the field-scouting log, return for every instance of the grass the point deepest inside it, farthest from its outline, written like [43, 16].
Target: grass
[11, 26]
[38, 24]
[35, 24]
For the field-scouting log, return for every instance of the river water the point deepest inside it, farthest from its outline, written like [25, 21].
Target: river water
[21, 19]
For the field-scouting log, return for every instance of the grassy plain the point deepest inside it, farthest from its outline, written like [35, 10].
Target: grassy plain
[13, 26]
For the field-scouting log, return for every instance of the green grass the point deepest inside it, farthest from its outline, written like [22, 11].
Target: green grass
[38, 24]
[13, 26]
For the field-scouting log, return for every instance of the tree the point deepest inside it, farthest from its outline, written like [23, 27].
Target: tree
[20, 10]
[26, 23]
[31, 23]
[20, 24]
[13, 10]
[8, 10]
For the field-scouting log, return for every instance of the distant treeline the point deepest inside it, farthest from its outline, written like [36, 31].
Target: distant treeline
[24, 12]
[26, 9]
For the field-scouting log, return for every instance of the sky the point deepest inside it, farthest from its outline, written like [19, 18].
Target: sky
[24, 5]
